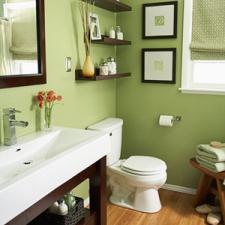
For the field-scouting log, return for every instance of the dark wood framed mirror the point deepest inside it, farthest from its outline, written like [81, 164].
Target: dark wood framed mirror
[25, 50]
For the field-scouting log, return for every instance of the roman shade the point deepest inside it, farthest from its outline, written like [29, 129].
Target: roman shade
[208, 30]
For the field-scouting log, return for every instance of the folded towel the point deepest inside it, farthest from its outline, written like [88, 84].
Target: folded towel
[214, 167]
[215, 154]
[208, 159]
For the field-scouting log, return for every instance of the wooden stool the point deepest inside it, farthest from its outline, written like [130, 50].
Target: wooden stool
[206, 187]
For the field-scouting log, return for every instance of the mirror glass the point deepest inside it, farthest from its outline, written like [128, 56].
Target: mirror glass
[18, 38]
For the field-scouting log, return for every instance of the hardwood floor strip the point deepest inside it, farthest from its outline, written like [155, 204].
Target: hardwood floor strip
[177, 209]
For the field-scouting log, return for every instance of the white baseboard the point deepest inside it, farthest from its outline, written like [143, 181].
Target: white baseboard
[181, 189]
[86, 202]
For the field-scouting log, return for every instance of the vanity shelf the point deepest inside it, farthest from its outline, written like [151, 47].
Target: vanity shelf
[89, 219]
[99, 77]
[96, 173]
[111, 41]
[112, 5]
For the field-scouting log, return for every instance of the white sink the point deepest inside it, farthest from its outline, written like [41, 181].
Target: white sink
[43, 161]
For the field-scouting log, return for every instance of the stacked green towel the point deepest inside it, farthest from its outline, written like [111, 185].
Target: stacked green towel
[211, 158]
[214, 154]
[214, 167]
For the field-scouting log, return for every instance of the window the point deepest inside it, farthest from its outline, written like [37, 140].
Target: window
[199, 76]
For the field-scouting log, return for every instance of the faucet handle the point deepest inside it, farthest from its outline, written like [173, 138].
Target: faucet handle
[13, 110]
[10, 111]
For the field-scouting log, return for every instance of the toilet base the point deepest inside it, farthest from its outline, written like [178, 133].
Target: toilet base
[135, 192]
[144, 200]
[147, 200]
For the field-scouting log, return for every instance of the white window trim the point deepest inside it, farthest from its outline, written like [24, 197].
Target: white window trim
[187, 65]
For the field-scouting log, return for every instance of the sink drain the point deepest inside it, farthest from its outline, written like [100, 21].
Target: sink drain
[28, 162]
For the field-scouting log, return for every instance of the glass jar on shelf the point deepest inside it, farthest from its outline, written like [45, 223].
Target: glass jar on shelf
[104, 68]
[112, 33]
[119, 34]
[112, 65]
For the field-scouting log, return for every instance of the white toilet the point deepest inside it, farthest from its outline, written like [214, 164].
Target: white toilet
[134, 182]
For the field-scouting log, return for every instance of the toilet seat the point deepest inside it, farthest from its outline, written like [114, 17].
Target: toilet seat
[143, 165]
[132, 178]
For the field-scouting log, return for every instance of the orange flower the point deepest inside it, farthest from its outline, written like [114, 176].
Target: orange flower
[50, 93]
[49, 98]
[59, 98]
[41, 104]
[39, 98]
[54, 98]
[41, 93]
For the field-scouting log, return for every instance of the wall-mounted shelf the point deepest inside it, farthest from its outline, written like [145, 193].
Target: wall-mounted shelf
[99, 77]
[111, 41]
[112, 5]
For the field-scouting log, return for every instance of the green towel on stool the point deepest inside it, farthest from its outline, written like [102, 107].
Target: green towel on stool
[208, 159]
[214, 167]
[215, 154]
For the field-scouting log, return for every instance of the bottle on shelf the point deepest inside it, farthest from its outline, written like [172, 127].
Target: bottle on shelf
[70, 201]
[112, 65]
[112, 33]
[104, 69]
[119, 34]
[63, 208]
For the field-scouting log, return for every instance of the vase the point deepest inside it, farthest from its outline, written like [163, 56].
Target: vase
[48, 119]
[88, 69]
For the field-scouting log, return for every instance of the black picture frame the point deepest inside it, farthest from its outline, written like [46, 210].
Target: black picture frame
[152, 78]
[160, 19]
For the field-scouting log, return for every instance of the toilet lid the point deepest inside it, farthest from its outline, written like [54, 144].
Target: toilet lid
[144, 165]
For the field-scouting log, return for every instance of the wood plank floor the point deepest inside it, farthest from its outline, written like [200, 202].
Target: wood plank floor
[177, 209]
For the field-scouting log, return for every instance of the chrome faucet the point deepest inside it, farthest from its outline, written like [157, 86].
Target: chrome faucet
[9, 125]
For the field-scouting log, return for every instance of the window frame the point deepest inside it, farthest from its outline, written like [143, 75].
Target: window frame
[187, 84]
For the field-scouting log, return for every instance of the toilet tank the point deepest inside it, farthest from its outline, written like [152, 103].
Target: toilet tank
[113, 126]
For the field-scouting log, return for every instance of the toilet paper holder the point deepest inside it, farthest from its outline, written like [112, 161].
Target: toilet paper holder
[175, 118]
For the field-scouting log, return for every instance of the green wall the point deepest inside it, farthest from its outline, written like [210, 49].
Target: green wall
[1, 7]
[84, 103]
[140, 104]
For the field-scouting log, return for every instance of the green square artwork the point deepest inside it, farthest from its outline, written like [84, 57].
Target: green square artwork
[159, 20]
[158, 65]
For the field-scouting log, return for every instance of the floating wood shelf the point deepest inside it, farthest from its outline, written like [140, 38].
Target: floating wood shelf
[99, 77]
[112, 5]
[111, 41]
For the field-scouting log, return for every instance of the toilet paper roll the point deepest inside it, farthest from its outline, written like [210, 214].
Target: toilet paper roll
[166, 121]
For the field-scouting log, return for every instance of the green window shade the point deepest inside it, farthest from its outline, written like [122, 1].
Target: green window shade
[208, 30]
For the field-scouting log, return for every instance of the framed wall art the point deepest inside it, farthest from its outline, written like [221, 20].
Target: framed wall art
[159, 65]
[160, 20]
[95, 27]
